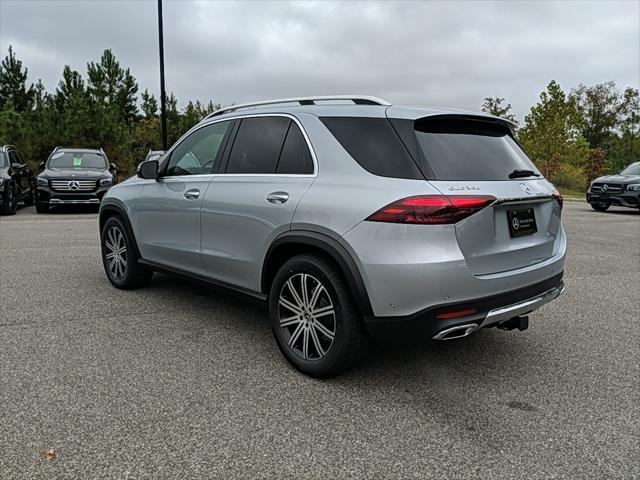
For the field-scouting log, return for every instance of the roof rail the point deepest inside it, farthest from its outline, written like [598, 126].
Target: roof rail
[356, 99]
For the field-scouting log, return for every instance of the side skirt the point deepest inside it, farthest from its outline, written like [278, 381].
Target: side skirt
[158, 267]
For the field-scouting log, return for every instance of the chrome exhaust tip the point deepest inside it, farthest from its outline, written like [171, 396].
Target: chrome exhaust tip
[458, 331]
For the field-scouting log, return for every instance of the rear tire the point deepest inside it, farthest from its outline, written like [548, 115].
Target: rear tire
[10, 205]
[600, 207]
[120, 258]
[314, 318]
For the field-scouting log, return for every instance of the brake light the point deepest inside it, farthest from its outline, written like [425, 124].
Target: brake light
[557, 196]
[432, 209]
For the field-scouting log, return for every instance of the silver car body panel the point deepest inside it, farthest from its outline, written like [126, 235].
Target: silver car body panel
[226, 232]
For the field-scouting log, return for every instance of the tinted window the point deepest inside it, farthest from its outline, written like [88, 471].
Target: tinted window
[469, 150]
[257, 145]
[3, 160]
[80, 160]
[295, 157]
[199, 152]
[375, 145]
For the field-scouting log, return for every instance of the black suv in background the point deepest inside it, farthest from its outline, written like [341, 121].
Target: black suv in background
[74, 176]
[16, 180]
[622, 189]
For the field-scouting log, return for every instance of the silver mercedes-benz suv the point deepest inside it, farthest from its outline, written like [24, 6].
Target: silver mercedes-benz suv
[351, 218]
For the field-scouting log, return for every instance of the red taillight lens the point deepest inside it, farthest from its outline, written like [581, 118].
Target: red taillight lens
[456, 314]
[558, 197]
[432, 209]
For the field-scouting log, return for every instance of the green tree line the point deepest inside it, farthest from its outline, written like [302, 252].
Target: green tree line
[101, 109]
[572, 136]
[577, 136]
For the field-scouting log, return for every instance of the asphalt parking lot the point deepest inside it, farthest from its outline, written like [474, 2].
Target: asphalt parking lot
[184, 381]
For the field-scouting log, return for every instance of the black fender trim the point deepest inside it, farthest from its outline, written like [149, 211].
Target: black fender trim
[335, 250]
[114, 205]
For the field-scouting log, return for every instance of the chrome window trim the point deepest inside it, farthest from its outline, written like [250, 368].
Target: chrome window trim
[207, 122]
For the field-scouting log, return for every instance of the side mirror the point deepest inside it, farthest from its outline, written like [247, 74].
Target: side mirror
[113, 167]
[148, 169]
[17, 166]
[41, 165]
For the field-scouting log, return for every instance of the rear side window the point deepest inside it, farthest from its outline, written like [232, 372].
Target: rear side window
[469, 149]
[374, 144]
[257, 145]
[295, 157]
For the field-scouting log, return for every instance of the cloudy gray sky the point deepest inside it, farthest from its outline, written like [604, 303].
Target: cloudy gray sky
[429, 53]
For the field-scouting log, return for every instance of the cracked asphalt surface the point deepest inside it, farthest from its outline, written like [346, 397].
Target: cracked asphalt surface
[179, 380]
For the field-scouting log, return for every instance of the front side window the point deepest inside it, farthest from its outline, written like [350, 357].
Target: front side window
[198, 153]
[257, 145]
[13, 157]
[78, 160]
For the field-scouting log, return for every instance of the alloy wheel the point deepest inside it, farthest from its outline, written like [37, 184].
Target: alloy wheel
[116, 255]
[307, 316]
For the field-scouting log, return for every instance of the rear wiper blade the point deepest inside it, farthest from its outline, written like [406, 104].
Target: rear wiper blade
[517, 173]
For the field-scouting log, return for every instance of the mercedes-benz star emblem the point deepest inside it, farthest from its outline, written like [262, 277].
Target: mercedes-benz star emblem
[515, 223]
[73, 185]
[526, 188]
[605, 187]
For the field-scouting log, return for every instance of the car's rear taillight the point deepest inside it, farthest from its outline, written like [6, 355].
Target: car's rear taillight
[557, 196]
[432, 209]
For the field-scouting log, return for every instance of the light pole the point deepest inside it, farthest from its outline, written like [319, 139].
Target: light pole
[163, 99]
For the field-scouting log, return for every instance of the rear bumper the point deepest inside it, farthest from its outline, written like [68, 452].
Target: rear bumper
[488, 312]
[624, 199]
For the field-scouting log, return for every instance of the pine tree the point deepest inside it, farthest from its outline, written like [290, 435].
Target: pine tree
[13, 84]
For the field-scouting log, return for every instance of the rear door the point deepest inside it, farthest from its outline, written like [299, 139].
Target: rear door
[269, 167]
[476, 156]
[167, 214]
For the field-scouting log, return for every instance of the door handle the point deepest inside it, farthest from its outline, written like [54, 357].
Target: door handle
[277, 197]
[192, 194]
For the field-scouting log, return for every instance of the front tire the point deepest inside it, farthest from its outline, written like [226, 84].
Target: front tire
[600, 207]
[119, 257]
[314, 318]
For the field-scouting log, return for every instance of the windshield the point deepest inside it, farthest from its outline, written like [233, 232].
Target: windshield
[633, 169]
[470, 150]
[3, 160]
[78, 160]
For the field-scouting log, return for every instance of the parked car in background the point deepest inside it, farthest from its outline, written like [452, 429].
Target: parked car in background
[349, 220]
[16, 180]
[74, 176]
[622, 189]
[153, 155]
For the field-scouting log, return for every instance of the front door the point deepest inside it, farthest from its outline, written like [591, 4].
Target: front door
[167, 214]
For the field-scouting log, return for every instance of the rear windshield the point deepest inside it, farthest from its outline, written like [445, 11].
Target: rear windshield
[469, 149]
[3, 161]
[77, 160]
